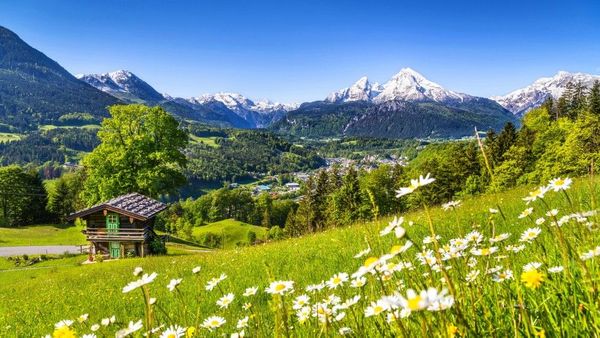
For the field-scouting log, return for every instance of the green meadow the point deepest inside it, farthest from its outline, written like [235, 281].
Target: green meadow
[9, 137]
[42, 235]
[46, 127]
[32, 300]
[234, 233]
[208, 140]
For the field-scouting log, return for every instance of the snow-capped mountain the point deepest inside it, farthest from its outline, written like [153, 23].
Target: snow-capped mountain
[268, 106]
[407, 85]
[406, 106]
[361, 90]
[229, 108]
[524, 99]
[260, 114]
[240, 103]
[124, 85]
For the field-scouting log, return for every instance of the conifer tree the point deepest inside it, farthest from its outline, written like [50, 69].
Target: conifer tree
[291, 228]
[562, 107]
[549, 105]
[578, 100]
[348, 199]
[505, 140]
[59, 201]
[594, 98]
[319, 199]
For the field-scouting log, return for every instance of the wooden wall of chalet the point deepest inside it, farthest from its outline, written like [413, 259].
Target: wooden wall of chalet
[98, 220]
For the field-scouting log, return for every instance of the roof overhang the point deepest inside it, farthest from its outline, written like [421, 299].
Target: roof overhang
[103, 207]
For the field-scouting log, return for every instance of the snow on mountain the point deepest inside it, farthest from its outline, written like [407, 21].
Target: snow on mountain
[128, 87]
[524, 99]
[102, 82]
[123, 84]
[240, 104]
[407, 85]
[268, 106]
[259, 114]
[361, 90]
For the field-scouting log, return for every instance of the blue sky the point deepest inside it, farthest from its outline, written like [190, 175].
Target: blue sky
[301, 50]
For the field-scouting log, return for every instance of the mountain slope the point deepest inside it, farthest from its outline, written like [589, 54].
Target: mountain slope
[361, 90]
[124, 85]
[222, 109]
[129, 88]
[524, 99]
[257, 115]
[406, 106]
[408, 85]
[34, 89]
[405, 119]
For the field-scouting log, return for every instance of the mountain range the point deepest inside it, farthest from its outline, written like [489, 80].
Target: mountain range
[36, 90]
[407, 106]
[523, 99]
[225, 108]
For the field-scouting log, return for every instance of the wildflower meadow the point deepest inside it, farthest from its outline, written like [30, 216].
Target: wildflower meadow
[522, 263]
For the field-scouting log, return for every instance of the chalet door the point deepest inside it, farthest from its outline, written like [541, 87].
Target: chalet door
[112, 228]
[115, 249]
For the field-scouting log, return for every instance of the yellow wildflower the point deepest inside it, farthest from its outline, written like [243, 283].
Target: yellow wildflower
[452, 330]
[532, 278]
[191, 331]
[63, 332]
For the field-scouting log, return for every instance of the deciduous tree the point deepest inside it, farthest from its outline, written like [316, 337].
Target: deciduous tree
[141, 150]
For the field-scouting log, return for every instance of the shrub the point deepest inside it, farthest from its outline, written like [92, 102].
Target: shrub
[211, 240]
[157, 247]
[276, 233]
[251, 237]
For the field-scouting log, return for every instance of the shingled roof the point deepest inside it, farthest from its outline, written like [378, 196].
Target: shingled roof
[133, 205]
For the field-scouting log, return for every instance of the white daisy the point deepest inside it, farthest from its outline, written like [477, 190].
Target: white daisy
[224, 301]
[213, 322]
[250, 292]
[559, 184]
[280, 287]
[530, 234]
[173, 331]
[173, 284]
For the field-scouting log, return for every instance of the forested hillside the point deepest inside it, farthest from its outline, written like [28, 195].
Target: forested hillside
[394, 119]
[36, 90]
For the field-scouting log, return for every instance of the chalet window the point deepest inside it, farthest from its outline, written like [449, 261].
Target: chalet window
[112, 218]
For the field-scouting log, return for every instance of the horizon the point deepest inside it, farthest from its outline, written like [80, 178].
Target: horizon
[302, 52]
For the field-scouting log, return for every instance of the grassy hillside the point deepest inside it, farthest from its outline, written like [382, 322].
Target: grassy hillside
[42, 235]
[563, 303]
[8, 137]
[232, 231]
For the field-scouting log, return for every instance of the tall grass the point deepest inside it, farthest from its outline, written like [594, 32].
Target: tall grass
[546, 284]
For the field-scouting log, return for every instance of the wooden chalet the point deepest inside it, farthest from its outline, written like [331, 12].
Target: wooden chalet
[121, 227]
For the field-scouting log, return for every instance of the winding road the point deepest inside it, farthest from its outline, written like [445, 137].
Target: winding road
[40, 250]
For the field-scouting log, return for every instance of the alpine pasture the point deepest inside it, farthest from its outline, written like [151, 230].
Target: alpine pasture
[490, 265]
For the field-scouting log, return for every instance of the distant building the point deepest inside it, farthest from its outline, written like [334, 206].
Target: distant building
[292, 186]
[71, 165]
[262, 188]
[303, 176]
[233, 185]
[124, 225]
